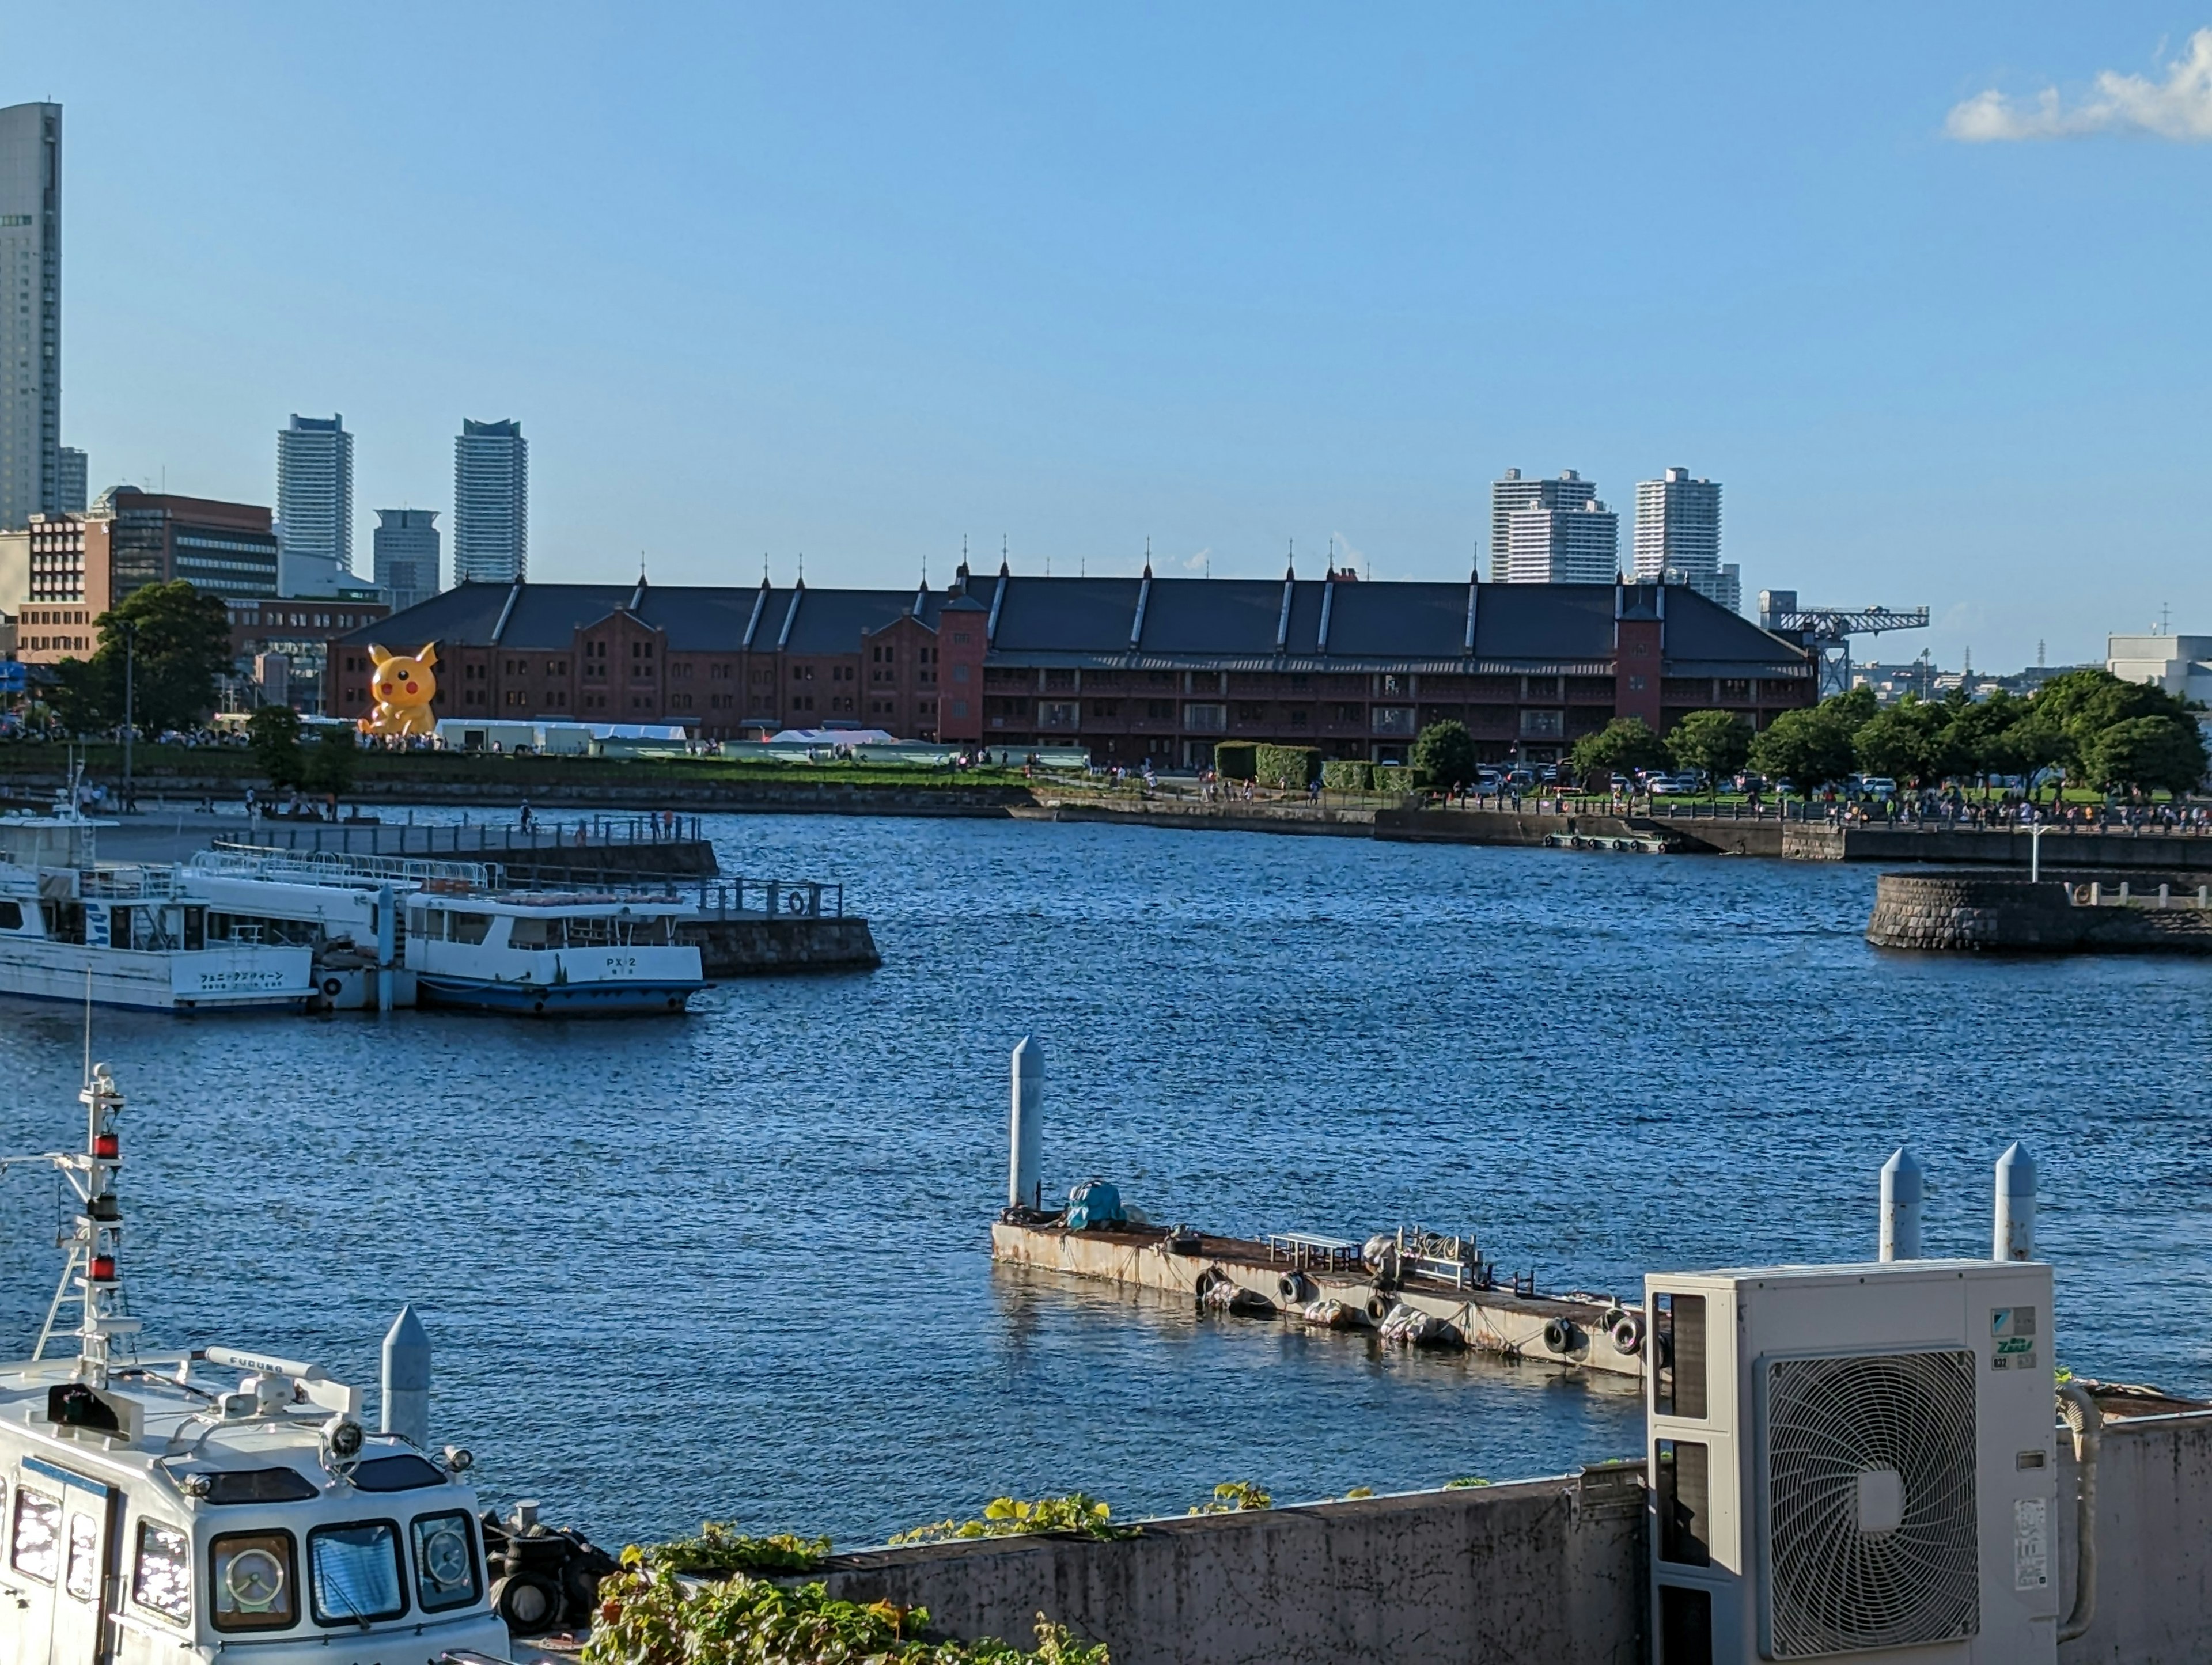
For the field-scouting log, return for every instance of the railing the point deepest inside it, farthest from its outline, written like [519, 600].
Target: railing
[2096, 895]
[128, 883]
[595, 832]
[773, 898]
[229, 858]
[1306, 1248]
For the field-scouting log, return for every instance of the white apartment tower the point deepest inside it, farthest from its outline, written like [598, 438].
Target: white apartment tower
[1511, 493]
[30, 313]
[1572, 544]
[491, 503]
[314, 506]
[1678, 537]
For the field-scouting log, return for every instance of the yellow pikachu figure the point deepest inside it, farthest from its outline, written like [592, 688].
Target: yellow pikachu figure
[403, 688]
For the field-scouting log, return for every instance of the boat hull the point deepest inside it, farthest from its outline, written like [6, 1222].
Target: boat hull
[625, 999]
[195, 980]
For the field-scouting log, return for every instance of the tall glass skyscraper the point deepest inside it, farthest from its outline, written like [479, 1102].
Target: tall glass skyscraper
[30, 317]
[491, 503]
[406, 550]
[1678, 537]
[315, 504]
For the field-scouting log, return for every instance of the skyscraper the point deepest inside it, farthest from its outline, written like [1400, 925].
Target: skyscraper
[1574, 544]
[1678, 537]
[30, 317]
[1512, 493]
[74, 481]
[314, 505]
[491, 503]
[406, 550]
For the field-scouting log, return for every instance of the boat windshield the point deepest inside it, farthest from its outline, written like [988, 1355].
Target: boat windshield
[401, 1472]
[356, 1573]
[258, 1485]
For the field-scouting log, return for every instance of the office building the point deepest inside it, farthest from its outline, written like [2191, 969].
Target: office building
[1678, 537]
[30, 313]
[314, 506]
[1126, 668]
[75, 470]
[491, 503]
[285, 640]
[2182, 665]
[1511, 493]
[155, 537]
[1572, 543]
[405, 553]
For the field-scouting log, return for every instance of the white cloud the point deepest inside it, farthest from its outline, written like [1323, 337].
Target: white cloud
[2177, 107]
[1200, 562]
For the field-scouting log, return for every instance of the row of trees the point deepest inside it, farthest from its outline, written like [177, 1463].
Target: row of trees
[324, 764]
[2090, 726]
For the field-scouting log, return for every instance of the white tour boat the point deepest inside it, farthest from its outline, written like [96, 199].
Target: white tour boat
[554, 953]
[73, 928]
[222, 1502]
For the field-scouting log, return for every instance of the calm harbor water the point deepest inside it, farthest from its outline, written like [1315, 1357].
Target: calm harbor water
[737, 1264]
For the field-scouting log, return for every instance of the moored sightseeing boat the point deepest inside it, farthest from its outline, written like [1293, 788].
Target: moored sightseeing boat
[550, 953]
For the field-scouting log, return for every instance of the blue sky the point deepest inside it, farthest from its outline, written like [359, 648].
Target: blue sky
[853, 281]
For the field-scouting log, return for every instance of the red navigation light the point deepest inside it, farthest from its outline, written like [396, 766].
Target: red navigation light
[103, 1268]
[107, 1145]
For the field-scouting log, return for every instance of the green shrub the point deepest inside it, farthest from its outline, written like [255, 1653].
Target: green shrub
[1010, 1518]
[1233, 1498]
[1236, 760]
[1393, 779]
[647, 1616]
[1346, 774]
[1292, 768]
[720, 1547]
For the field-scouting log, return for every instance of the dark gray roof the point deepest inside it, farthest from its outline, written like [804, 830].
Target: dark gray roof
[1224, 623]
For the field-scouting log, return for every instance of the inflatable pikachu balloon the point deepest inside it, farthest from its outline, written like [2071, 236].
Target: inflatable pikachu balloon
[404, 687]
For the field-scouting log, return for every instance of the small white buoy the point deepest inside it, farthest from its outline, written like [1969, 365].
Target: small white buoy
[1025, 1134]
[2014, 1236]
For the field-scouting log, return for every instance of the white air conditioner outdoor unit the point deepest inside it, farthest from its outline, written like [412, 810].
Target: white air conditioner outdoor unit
[1854, 1462]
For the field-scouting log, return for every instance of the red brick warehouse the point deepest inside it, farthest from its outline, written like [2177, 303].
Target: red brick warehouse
[1133, 668]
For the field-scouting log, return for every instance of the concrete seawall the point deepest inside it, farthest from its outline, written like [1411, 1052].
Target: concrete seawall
[1547, 1571]
[1953, 912]
[754, 947]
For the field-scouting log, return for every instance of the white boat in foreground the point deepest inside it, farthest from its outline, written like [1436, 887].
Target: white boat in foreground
[72, 928]
[552, 953]
[174, 1510]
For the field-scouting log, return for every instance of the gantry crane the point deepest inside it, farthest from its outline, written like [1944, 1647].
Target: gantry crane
[1827, 631]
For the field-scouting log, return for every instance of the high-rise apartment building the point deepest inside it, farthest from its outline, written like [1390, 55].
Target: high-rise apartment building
[491, 503]
[1678, 537]
[314, 506]
[406, 550]
[1511, 493]
[75, 482]
[1572, 543]
[30, 313]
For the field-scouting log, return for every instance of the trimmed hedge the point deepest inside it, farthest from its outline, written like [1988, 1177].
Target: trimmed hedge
[1288, 767]
[1346, 774]
[1236, 760]
[1393, 778]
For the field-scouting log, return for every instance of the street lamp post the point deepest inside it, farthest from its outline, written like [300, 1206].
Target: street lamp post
[130, 700]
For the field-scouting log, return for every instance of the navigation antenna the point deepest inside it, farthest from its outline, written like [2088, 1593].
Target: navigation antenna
[89, 1280]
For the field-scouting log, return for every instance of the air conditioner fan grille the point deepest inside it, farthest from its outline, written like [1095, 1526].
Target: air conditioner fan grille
[1835, 1584]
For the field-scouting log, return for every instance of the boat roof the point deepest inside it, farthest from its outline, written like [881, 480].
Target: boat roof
[565, 903]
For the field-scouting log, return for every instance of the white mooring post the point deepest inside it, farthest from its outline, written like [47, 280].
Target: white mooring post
[2014, 1238]
[1902, 1183]
[1025, 1132]
[405, 1389]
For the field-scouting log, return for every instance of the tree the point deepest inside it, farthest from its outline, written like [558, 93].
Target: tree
[273, 732]
[1443, 756]
[1716, 744]
[2146, 754]
[81, 698]
[328, 765]
[1622, 746]
[1807, 748]
[1913, 740]
[182, 647]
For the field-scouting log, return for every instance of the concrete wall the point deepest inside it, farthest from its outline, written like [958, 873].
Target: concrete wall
[1969, 911]
[1549, 1570]
[2153, 1544]
[1814, 841]
[751, 947]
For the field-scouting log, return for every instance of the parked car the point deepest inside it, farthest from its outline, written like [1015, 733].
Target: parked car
[1878, 786]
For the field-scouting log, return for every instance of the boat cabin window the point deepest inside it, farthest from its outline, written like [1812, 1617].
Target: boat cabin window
[428, 924]
[468, 928]
[253, 1575]
[258, 1485]
[83, 1580]
[11, 915]
[38, 1535]
[161, 1582]
[529, 933]
[444, 1561]
[354, 1571]
[402, 1472]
